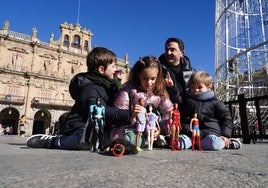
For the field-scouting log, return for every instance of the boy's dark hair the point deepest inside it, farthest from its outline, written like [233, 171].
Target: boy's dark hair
[174, 39]
[100, 56]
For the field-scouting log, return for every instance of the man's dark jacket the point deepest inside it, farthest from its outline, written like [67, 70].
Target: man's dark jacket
[180, 75]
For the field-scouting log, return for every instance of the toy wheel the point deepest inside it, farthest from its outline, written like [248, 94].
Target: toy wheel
[118, 150]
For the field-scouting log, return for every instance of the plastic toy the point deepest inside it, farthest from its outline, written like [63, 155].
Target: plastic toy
[151, 126]
[141, 120]
[194, 126]
[97, 117]
[175, 127]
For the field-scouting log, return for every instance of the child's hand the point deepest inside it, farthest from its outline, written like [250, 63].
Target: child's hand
[168, 80]
[226, 140]
[137, 109]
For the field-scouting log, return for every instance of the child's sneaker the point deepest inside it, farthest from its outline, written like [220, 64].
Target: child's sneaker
[40, 141]
[139, 149]
[235, 143]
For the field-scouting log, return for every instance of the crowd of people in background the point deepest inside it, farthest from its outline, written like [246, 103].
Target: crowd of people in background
[8, 130]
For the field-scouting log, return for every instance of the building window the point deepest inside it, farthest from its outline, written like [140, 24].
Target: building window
[13, 91]
[17, 61]
[45, 96]
[66, 40]
[76, 43]
[86, 45]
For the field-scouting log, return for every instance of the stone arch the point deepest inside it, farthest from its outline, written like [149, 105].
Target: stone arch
[10, 117]
[42, 122]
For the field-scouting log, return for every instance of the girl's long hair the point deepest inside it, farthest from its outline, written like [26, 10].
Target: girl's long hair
[148, 62]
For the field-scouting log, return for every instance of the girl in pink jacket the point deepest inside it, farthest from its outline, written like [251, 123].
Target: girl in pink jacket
[145, 81]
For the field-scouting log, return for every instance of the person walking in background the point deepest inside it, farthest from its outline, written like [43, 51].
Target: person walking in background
[10, 130]
[214, 118]
[6, 131]
[177, 69]
[22, 122]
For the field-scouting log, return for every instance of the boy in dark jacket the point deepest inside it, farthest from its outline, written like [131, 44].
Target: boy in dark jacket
[85, 88]
[214, 117]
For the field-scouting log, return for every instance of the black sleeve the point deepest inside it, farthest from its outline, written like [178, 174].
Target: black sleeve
[225, 120]
[116, 116]
[174, 95]
[186, 110]
[113, 115]
[87, 97]
[185, 123]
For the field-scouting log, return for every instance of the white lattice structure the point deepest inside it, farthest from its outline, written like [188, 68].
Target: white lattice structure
[241, 48]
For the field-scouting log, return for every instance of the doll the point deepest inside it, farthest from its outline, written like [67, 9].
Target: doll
[175, 127]
[151, 126]
[194, 127]
[141, 120]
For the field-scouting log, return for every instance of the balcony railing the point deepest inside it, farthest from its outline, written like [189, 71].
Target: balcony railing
[251, 121]
[40, 102]
[12, 99]
[20, 36]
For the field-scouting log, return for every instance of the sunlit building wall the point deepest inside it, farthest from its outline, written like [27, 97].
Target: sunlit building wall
[35, 75]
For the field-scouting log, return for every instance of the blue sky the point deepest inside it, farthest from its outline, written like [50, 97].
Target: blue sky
[136, 28]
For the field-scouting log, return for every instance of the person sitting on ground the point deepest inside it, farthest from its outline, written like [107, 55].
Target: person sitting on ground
[214, 118]
[145, 81]
[85, 88]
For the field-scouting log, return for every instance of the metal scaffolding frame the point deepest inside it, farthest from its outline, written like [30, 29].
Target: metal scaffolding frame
[241, 48]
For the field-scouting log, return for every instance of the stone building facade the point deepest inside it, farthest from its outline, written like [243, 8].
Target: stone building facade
[35, 75]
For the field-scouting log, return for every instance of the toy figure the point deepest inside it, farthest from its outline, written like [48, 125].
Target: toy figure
[151, 126]
[194, 127]
[141, 120]
[118, 150]
[97, 117]
[121, 147]
[175, 127]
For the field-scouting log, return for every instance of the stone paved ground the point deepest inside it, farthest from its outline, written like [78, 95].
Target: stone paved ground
[24, 167]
